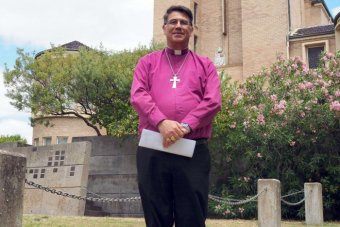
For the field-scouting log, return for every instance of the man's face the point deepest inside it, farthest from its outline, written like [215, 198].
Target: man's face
[177, 30]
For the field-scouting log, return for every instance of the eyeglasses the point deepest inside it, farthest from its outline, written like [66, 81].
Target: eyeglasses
[174, 22]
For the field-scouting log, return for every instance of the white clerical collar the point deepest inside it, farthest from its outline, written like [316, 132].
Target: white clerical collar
[177, 52]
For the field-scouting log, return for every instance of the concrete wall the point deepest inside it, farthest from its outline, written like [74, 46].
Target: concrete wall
[62, 167]
[12, 175]
[113, 174]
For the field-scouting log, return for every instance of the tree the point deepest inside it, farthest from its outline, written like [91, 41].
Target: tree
[92, 85]
[12, 139]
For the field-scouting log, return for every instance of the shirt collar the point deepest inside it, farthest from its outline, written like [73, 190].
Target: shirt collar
[176, 52]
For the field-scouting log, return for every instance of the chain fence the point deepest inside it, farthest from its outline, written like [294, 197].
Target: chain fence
[293, 203]
[99, 198]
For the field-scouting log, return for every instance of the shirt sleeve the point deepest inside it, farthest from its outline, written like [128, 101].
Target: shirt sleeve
[140, 97]
[210, 105]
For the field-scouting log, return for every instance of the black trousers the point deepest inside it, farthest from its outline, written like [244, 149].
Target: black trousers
[173, 188]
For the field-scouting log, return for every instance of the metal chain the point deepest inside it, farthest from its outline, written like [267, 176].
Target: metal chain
[136, 198]
[294, 193]
[293, 204]
[240, 202]
[88, 198]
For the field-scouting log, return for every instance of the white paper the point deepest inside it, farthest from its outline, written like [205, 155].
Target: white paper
[154, 140]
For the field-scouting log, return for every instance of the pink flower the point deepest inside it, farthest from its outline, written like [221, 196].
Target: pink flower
[337, 93]
[273, 98]
[260, 119]
[304, 69]
[301, 86]
[335, 105]
[259, 155]
[330, 55]
[309, 85]
[292, 143]
[233, 125]
[280, 107]
[302, 114]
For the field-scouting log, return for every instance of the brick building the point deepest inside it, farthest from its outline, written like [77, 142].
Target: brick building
[242, 36]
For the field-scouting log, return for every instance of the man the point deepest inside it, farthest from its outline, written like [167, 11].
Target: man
[177, 93]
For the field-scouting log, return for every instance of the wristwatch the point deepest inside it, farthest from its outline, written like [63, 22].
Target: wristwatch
[186, 126]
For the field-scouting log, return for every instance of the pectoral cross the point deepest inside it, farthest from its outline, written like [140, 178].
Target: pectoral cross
[174, 80]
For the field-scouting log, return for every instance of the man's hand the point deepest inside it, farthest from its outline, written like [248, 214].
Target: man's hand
[171, 131]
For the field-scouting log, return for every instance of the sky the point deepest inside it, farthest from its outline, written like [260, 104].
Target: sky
[34, 25]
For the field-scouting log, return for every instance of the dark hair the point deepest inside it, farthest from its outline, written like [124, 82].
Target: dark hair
[178, 8]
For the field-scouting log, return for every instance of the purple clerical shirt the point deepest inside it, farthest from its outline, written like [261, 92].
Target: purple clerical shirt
[195, 100]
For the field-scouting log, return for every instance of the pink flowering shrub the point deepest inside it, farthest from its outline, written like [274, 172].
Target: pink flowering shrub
[282, 123]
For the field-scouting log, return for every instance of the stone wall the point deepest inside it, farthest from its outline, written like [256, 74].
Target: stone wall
[113, 174]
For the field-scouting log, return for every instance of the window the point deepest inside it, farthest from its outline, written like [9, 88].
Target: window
[36, 142]
[314, 56]
[47, 141]
[62, 139]
[195, 13]
[311, 52]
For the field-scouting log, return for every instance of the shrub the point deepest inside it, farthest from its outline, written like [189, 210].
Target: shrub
[282, 123]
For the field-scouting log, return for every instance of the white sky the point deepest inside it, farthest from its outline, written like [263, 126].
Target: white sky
[117, 24]
[35, 24]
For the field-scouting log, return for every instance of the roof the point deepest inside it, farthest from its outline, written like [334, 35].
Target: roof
[74, 45]
[313, 31]
[71, 46]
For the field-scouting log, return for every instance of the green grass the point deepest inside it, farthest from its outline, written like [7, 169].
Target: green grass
[80, 221]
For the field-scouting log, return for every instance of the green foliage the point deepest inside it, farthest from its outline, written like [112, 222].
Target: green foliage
[283, 123]
[93, 85]
[12, 139]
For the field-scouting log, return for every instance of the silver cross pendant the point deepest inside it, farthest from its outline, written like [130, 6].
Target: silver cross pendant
[174, 81]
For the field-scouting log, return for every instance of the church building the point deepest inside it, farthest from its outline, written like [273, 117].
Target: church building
[242, 36]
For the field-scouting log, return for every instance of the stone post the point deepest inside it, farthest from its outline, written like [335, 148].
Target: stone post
[313, 204]
[12, 182]
[269, 203]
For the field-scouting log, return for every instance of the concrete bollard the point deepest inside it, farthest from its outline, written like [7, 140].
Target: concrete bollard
[269, 203]
[12, 182]
[313, 204]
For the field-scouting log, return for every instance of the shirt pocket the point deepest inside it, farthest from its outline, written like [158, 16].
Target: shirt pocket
[195, 83]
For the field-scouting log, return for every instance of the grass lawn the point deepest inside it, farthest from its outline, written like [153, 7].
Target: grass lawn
[78, 221]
